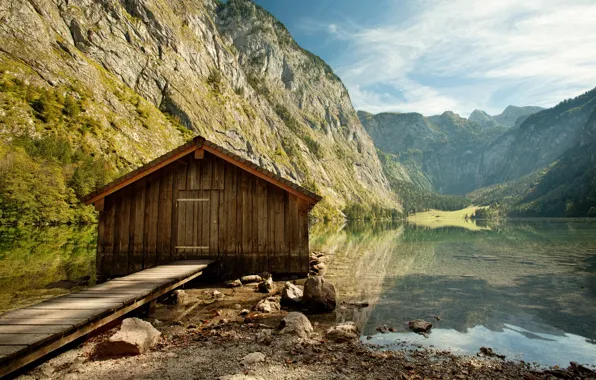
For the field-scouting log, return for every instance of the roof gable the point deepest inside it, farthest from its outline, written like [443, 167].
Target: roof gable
[199, 143]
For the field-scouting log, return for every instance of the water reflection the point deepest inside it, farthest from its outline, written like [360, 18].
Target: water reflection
[31, 258]
[526, 288]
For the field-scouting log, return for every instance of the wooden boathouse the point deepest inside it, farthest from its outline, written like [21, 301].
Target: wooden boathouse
[201, 201]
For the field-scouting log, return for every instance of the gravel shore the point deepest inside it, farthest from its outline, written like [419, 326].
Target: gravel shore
[208, 339]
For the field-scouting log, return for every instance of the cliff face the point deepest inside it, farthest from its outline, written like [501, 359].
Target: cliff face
[440, 146]
[151, 73]
[542, 166]
[511, 116]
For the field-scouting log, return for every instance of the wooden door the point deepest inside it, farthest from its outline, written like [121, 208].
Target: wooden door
[193, 224]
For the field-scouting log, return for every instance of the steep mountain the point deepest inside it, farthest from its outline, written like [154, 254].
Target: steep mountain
[510, 117]
[92, 89]
[440, 147]
[567, 187]
[543, 166]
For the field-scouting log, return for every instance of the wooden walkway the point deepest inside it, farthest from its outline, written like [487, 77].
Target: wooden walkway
[30, 333]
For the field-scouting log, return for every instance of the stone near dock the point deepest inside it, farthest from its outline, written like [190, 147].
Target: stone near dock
[253, 358]
[319, 295]
[134, 337]
[344, 332]
[266, 286]
[234, 284]
[251, 278]
[419, 326]
[268, 305]
[217, 295]
[296, 324]
[291, 294]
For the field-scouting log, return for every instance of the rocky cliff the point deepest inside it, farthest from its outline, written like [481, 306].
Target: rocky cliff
[439, 147]
[144, 75]
[543, 165]
[511, 116]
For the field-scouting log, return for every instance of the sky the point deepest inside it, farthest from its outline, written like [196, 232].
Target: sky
[430, 56]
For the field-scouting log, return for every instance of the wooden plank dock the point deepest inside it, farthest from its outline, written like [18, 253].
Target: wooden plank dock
[30, 333]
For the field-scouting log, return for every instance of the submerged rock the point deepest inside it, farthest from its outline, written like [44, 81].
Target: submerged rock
[488, 352]
[344, 332]
[291, 294]
[319, 295]
[420, 326]
[134, 337]
[296, 324]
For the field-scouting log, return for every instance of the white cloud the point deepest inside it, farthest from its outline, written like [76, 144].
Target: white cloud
[465, 54]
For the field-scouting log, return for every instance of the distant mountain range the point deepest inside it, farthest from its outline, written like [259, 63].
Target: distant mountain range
[510, 117]
[530, 161]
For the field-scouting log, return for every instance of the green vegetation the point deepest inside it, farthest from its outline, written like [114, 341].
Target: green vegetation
[41, 178]
[412, 191]
[359, 211]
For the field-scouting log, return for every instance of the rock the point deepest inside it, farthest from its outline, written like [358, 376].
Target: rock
[134, 337]
[344, 332]
[266, 286]
[180, 297]
[268, 305]
[251, 278]
[217, 295]
[240, 376]
[420, 326]
[234, 284]
[291, 294]
[487, 351]
[382, 329]
[264, 336]
[244, 312]
[254, 358]
[296, 324]
[319, 295]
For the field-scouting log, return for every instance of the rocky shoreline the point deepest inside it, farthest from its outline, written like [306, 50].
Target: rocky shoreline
[263, 329]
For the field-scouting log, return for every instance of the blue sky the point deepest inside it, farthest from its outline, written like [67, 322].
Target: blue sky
[430, 56]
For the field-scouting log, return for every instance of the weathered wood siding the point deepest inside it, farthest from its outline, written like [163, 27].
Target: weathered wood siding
[203, 209]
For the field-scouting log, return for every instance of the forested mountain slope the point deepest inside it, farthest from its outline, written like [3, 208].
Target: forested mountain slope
[542, 166]
[89, 90]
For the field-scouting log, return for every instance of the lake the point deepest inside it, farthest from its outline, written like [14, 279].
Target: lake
[525, 288]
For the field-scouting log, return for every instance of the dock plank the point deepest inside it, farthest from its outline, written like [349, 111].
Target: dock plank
[30, 333]
[41, 321]
[23, 339]
[35, 329]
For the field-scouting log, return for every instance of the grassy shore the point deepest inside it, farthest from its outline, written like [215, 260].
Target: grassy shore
[439, 219]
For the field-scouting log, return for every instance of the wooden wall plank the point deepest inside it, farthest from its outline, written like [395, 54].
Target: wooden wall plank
[135, 262]
[206, 172]
[205, 222]
[179, 216]
[262, 224]
[303, 228]
[99, 252]
[219, 166]
[164, 229]
[214, 223]
[293, 234]
[123, 229]
[279, 234]
[151, 220]
[231, 191]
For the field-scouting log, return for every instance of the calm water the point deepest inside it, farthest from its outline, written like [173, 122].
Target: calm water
[32, 258]
[527, 289]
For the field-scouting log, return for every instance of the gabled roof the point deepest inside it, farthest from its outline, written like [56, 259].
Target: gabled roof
[199, 143]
